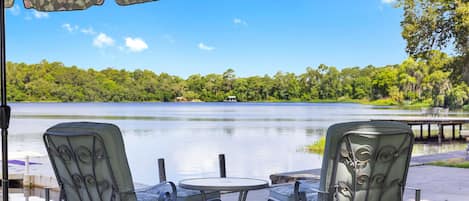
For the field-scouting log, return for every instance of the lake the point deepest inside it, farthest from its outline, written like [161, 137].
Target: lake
[258, 138]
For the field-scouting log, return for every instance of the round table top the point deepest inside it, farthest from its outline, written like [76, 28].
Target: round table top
[223, 184]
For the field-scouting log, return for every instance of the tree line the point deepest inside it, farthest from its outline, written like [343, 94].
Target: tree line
[427, 77]
[429, 81]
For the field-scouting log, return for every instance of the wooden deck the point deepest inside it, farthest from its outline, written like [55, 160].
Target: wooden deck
[455, 123]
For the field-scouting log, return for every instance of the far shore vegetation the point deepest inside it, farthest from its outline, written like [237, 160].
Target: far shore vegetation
[428, 77]
[419, 82]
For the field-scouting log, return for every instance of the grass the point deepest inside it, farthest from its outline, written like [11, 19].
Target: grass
[379, 102]
[455, 162]
[383, 102]
[465, 107]
[416, 105]
[318, 146]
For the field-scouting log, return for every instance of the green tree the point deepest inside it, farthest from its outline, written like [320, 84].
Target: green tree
[228, 80]
[440, 84]
[384, 79]
[457, 96]
[437, 24]
[310, 84]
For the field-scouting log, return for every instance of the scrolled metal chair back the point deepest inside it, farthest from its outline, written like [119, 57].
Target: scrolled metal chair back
[366, 161]
[83, 164]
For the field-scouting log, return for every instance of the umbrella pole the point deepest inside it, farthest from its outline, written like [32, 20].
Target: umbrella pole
[4, 109]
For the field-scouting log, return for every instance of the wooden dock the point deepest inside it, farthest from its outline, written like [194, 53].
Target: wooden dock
[31, 172]
[440, 122]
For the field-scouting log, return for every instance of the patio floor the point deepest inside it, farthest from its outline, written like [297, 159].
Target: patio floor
[437, 184]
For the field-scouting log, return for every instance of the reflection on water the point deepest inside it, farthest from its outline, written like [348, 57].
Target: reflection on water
[258, 138]
[30, 194]
[425, 149]
[21, 197]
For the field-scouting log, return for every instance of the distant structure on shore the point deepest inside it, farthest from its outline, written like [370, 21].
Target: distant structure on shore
[231, 99]
[181, 99]
[435, 111]
[184, 99]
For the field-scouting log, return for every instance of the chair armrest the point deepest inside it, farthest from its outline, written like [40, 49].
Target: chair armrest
[168, 196]
[162, 191]
[301, 196]
[417, 192]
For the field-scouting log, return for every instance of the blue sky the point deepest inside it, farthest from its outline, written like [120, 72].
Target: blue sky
[183, 37]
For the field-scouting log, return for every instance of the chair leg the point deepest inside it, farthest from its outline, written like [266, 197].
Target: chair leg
[302, 196]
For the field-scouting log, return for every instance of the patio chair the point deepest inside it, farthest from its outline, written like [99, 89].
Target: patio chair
[193, 195]
[363, 161]
[90, 164]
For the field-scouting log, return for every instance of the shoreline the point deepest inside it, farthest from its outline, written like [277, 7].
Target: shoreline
[361, 102]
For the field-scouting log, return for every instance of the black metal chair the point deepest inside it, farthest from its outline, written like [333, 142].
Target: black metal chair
[363, 161]
[193, 195]
[90, 164]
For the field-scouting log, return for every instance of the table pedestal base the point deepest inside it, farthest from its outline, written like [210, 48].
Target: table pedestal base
[243, 195]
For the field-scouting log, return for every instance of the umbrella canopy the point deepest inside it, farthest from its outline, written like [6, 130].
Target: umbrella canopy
[67, 5]
[40, 5]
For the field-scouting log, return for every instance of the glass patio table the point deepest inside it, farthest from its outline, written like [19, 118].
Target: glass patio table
[229, 184]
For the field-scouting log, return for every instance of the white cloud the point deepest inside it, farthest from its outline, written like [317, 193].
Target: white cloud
[88, 31]
[203, 46]
[40, 15]
[103, 40]
[135, 44]
[239, 21]
[15, 10]
[388, 1]
[69, 27]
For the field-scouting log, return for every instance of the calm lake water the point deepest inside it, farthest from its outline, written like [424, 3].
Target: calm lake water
[258, 138]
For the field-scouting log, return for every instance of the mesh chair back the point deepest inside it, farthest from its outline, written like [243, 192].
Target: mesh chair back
[90, 162]
[366, 161]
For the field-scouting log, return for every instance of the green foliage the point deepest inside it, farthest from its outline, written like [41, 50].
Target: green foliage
[438, 25]
[458, 95]
[384, 101]
[434, 24]
[414, 81]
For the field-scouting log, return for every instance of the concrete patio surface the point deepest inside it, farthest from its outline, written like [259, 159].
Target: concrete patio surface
[436, 183]
[439, 183]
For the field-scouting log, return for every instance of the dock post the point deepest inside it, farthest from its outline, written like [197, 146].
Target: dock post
[26, 166]
[417, 195]
[27, 175]
[429, 132]
[454, 132]
[222, 164]
[440, 133]
[421, 131]
[460, 129]
[161, 170]
[47, 194]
